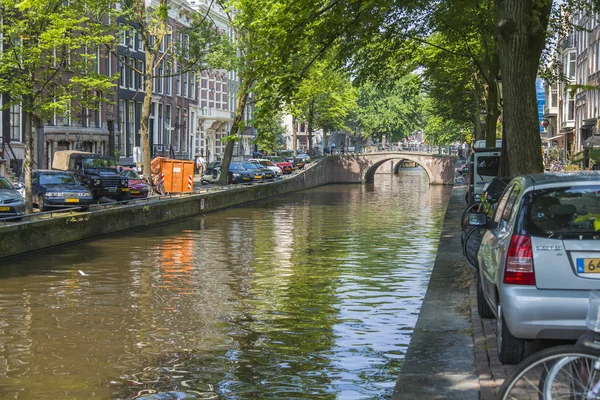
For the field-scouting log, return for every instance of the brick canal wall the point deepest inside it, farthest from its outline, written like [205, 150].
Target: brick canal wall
[62, 229]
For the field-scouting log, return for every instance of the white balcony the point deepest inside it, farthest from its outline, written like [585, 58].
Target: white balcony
[214, 114]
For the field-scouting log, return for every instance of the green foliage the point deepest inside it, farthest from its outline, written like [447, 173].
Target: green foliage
[46, 62]
[324, 98]
[440, 130]
[393, 110]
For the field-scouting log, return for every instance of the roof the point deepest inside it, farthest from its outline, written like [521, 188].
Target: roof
[61, 158]
[561, 177]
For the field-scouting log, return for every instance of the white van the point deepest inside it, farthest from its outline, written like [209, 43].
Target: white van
[484, 166]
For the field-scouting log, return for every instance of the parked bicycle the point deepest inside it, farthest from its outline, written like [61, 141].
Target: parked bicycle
[158, 186]
[563, 372]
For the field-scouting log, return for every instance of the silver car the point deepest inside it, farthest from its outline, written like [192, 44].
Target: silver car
[539, 258]
[11, 202]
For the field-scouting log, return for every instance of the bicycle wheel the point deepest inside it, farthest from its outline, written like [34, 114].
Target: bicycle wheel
[563, 372]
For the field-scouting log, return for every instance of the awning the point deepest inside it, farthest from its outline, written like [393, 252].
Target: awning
[553, 138]
[591, 143]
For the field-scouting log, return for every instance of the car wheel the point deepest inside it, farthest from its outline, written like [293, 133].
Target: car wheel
[42, 207]
[484, 310]
[511, 350]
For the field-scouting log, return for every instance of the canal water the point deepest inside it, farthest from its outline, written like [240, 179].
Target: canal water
[310, 295]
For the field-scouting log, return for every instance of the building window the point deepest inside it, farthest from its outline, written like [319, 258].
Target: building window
[67, 116]
[184, 132]
[571, 109]
[571, 69]
[140, 42]
[131, 127]
[140, 75]
[160, 123]
[123, 36]
[553, 96]
[122, 105]
[132, 74]
[168, 80]
[15, 123]
[178, 126]
[159, 77]
[84, 117]
[122, 72]
[132, 36]
[185, 84]
[168, 122]
[193, 86]
[98, 112]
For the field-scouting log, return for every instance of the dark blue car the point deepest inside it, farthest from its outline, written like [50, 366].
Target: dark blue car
[55, 189]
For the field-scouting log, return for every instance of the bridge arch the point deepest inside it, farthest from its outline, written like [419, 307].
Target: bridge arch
[369, 174]
[360, 168]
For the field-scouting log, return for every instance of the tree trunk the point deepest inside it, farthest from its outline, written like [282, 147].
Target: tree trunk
[239, 116]
[310, 123]
[28, 164]
[294, 135]
[145, 119]
[522, 28]
[491, 119]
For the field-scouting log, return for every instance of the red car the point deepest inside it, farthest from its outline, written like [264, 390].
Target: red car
[137, 187]
[285, 166]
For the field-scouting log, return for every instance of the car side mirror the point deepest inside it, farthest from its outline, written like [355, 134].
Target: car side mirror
[477, 219]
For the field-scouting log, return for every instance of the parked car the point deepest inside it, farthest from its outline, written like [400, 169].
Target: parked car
[56, 189]
[303, 156]
[268, 164]
[285, 166]
[297, 162]
[236, 174]
[138, 189]
[99, 173]
[260, 173]
[11, 202]
[538, 259]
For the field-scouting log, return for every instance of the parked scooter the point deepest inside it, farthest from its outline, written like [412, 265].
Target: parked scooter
[211, 174]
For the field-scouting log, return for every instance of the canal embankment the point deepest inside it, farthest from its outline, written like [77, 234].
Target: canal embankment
[440, 360]
[66, 228]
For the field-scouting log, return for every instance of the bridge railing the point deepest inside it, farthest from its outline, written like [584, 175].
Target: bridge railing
[415, 148]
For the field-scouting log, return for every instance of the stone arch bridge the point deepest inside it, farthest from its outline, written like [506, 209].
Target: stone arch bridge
[360, 168]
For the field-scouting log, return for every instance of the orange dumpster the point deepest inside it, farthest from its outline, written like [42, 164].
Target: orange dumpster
[177, 175]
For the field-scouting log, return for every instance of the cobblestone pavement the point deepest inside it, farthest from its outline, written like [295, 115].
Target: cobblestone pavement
[491, 372]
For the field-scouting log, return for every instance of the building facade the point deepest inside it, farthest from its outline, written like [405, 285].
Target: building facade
[572, 104]
[191, 110]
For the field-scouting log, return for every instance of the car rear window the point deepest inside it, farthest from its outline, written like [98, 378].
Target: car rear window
[572, 210]
[57, 179]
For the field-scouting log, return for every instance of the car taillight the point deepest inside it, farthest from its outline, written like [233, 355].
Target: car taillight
[519, 262]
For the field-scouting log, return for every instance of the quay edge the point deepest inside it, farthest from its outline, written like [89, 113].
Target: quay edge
[440, 360]
[66, 228]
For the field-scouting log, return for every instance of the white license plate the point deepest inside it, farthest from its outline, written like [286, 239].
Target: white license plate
[112, 189]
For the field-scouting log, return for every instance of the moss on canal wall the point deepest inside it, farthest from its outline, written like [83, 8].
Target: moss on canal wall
[62, 229]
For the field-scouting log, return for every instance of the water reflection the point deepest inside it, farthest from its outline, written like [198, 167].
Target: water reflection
[303, 296]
